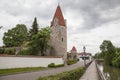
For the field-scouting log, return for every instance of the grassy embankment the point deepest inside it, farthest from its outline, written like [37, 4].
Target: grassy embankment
[19, 70]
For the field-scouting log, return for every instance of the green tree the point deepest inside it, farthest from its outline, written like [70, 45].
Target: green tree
[15, 36]
[118, 50]
[34, 29]
[40, 42]
[99, 56]
[108, 50]
[116, 60]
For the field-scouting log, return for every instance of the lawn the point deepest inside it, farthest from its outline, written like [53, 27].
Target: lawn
[20, 70]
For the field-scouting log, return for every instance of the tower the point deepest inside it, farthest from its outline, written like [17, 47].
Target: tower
[58, 34]
[73, 53]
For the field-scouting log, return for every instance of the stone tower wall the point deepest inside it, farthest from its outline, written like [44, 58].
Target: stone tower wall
[59, 40]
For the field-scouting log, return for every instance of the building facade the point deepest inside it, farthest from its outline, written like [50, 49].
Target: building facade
[85, 56]
[73, 54]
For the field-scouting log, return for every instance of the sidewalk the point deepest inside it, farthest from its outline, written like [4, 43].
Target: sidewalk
[37, 74]
[91, 73]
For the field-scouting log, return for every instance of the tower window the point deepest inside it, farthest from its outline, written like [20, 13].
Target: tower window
[62, 39]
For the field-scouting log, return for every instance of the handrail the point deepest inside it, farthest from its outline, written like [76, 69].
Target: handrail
[101, 75]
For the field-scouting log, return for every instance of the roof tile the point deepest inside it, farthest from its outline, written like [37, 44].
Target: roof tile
[58, 14]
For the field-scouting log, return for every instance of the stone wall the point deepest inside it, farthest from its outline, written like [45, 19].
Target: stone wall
[18, 62]
[59, 41]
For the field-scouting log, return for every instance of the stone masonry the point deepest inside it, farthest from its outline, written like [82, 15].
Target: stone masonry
[58, 34]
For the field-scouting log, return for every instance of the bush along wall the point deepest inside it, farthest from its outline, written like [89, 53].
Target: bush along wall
[68, 75]
[1, 51]
[10, 51]
[70, 62]
[52, 65]
[24, 52]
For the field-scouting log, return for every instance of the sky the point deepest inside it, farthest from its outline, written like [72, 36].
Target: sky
[89, 22]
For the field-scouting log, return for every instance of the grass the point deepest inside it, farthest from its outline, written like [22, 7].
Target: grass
[74, 74]
[20, 70]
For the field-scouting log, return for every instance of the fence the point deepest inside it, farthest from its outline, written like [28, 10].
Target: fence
[100, 73]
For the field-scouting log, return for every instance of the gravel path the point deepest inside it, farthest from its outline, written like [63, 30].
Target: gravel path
[37, 74]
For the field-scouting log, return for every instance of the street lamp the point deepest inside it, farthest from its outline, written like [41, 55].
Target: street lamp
[1, 27]
[84, 49]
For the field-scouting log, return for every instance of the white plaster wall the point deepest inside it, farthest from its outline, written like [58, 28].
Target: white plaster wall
[17, 62]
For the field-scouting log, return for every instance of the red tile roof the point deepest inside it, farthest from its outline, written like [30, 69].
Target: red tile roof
[73, 49]
[58, 14]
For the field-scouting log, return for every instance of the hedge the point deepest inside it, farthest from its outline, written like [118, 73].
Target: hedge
[1, 51]
[10, 51]
[69, 62]
[68, 75]
[24, 52]
[52, 65]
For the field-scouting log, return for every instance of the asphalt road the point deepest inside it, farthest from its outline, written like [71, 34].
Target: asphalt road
[37, 74]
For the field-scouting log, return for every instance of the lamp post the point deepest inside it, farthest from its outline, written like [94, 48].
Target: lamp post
[84, 49]
[0, 27]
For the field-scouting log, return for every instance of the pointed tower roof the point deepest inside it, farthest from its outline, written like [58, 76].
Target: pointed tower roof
[58, 14]
[73, 49]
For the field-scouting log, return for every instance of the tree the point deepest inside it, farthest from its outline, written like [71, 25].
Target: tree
[15, 36]
[34, 29]
[116, 60]
[99, 55]
[40, 42]
[108, 50]
[118, 50]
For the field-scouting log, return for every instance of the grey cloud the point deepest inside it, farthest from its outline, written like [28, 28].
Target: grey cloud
[23, 11]
[90, 10]
[40, 9]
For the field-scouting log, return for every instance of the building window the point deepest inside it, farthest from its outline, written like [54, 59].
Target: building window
[62, 39]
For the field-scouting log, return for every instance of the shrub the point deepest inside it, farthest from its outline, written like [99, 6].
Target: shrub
[52, 65]
[1, 51]
[59, 65]
[24, 52]
[68, 75]
[69, 62]
[10, 51]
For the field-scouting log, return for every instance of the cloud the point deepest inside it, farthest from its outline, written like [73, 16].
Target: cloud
[93, 10]
[93, 39]
[89, 22]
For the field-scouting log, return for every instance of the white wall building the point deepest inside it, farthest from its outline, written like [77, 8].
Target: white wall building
[84, 55]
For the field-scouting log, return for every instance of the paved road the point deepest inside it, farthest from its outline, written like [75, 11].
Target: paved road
[37, 74]
[91, 73]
